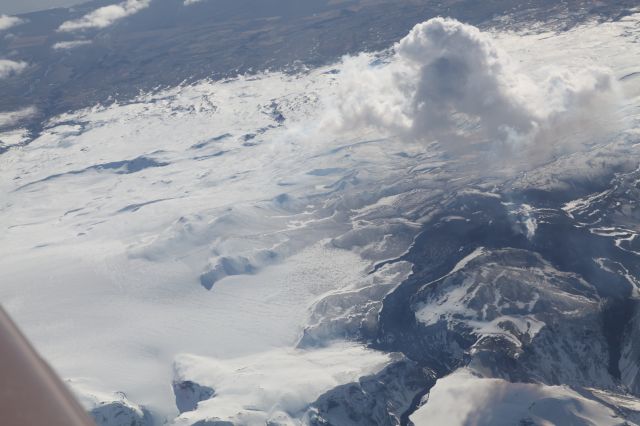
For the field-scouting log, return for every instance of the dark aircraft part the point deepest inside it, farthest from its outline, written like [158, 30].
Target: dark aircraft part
[30, 392]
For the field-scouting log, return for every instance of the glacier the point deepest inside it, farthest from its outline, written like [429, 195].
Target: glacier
[281, 248]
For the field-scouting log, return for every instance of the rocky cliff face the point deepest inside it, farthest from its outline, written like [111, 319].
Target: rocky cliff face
[380, 399]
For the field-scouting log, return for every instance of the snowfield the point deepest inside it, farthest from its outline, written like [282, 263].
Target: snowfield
[232, 234]
[463, 398]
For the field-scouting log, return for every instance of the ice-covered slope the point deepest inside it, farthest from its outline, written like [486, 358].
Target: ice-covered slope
[127, 232]
[249, 243]
[191, 221]
[463, 398]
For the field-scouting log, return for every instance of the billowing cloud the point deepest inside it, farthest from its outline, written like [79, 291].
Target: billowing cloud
[7, 21]
[10, 118]
[449, 82]
[461, 73]
[105, 16]
[65, 45]
[9, 67]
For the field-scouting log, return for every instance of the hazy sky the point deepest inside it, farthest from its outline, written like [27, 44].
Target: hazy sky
[12, 7]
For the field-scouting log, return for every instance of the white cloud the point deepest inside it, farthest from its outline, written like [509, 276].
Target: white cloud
[9, 118]
[449, 82]
[460, 71]
[7, 21]
[105, 16]
[9, 67]
[190, 2]
[64, 45]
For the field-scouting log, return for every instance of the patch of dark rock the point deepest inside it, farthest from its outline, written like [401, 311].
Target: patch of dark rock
[215, 154]
[119, 413]
[119, 167]
[209, 141]
[378, 399]
[616, 317]
[189, 393]
[138, 206]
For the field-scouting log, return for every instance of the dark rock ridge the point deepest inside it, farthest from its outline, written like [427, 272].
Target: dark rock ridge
[516, 288]
[380, 399]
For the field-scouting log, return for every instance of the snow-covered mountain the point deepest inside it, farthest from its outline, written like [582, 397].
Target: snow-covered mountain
[442, 232]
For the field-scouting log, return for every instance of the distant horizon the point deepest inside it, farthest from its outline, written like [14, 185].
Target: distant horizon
[17, 7]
